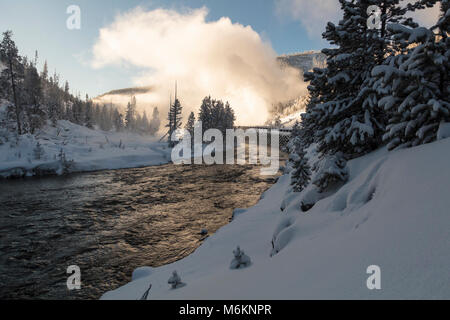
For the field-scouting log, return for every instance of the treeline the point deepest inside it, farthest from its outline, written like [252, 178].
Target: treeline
[383, 86]
[214, 114]
[36, 98]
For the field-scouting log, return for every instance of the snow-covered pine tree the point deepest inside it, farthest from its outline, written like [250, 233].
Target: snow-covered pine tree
[118, 120]
[38, 151]
[175, 281]
[336, 113]
[130, 117]
[331, 171]
[416, 83]
[55, 100]
[301, 175]
[89, 115]
[34, 109]
[12, 75]
[240, 260]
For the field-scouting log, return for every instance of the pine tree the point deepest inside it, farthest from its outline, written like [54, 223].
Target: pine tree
[205, 114]
[342, 115]
[89, 115]
[14, 72]
[155, 123]
[174, 118]
[415, 84]
[55, 100]
[34, 109]
[230, 117]
[190, 124]
[130, 117]
[145, 124]
[331, 171]
[302, 172]
[38, 151]
[118, 120]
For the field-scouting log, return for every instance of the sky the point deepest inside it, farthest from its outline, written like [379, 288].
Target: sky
[41, 25]
[165, 40]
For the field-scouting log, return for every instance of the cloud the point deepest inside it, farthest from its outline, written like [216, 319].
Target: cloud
[314, 14]
[223, 59]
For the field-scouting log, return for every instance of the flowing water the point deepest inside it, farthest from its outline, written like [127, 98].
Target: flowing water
[110, 222]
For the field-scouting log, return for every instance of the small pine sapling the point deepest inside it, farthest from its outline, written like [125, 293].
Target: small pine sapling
[241, 260]
[175, 281]
[332, 171]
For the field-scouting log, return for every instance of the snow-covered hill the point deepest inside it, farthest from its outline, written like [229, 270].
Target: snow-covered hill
[393, 213]
[304, 61]
[83, 150]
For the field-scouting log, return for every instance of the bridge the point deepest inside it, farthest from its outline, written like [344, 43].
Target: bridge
[284, 133]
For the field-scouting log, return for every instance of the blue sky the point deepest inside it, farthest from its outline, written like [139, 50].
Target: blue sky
[41, 25]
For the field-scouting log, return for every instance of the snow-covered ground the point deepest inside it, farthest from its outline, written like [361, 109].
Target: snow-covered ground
[84, 150]
[394, 212]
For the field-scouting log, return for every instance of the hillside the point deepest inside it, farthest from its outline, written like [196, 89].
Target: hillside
[304, 61]
[83, 149]
[392, 213]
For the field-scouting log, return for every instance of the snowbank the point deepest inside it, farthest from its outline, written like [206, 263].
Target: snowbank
[84, 150]
[393, 212]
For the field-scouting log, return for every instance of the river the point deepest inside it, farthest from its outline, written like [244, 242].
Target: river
[110, 222]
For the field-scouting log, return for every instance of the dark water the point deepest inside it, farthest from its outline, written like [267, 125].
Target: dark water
[110, 222]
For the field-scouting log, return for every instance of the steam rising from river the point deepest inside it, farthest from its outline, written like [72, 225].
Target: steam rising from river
[223, 59]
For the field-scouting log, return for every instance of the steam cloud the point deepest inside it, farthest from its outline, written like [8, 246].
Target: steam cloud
[223, 59]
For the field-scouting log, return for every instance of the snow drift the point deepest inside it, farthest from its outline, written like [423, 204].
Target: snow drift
[393, 212]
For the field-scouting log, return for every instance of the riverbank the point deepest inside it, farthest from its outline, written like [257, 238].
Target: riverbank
[68, 148]
[392, 213]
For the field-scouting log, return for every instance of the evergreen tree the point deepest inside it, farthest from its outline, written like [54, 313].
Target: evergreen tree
[55, 100]
[205, 114]
[174, 118]
[415, 84]
[341, 115]
[118, 120]
[331, 171]
[89, 115]
[155, 123]
[302, 172]
[190, 124]
[14, 72]
[130, 117]
[33, 99]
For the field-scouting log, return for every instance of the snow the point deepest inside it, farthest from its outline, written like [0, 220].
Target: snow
[444, 131]
[90, 150]
[393, 213]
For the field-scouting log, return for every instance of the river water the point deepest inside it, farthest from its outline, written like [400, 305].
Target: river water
[110, 222]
